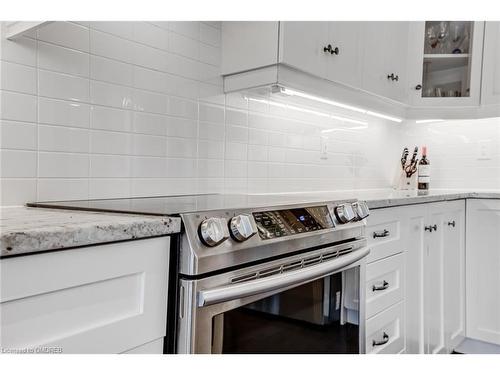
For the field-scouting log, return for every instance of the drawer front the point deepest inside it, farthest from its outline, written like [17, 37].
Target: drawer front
[384, 284]
[383, 233]
[385, 331]
[99, 299]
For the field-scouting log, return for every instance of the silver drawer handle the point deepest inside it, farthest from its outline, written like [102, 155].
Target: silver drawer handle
[384, 233]
[385, 340]
[384, 286]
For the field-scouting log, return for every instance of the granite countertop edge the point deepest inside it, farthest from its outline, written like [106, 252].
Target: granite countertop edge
[48, 229]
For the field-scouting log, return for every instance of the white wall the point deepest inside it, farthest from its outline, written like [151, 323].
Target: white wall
[454, 151]
[107, 109]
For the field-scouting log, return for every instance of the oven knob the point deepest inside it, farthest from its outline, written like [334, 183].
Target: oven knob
[361, 209]
[242, 227]
[344, 213]
[213, 231]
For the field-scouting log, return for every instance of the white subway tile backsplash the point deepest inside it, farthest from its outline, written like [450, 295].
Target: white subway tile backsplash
[181, 148]
[17, 135]
[104, 142]
[110, 166]
[149, 123]
[149, 145]
[210, 35]
[16, 192]
[59, 189]
[107, 94]
[19, 78]
[148, 101]
[112, 71]
[62, 86]
[17, 163]
[152, 35]
[111, 46]
[18, 107]
[66, 34]
[123, 29]
[62, 165]
[63, 60]
[133, 108]
[186, 28]
[65, 113]
[106, 118]
[21, 50]
[64, 139]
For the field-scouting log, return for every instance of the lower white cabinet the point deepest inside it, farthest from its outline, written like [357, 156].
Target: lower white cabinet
[99, 299]
[428, 277]
[483, 270]
[385, 331]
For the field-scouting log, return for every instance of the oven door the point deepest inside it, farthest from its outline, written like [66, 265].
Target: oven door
[312, 308]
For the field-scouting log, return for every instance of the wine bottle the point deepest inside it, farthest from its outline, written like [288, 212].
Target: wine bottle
[424, 171]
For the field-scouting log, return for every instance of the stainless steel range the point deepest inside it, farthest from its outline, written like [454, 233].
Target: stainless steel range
[283, 277]
[279, 279]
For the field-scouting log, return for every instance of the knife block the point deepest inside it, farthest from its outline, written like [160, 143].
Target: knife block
[406, 183]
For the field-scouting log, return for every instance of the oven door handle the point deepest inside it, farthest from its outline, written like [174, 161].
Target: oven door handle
[268, 284]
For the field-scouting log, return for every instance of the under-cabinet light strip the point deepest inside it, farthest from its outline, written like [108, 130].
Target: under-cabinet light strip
[305, 110]
[319, 99]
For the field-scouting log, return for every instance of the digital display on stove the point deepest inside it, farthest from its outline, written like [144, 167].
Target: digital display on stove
[281, 223]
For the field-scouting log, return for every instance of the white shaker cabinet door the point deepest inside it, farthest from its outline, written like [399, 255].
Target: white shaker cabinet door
[97, 299]
[483, 270]
[434, 281]
[344, 65]
[490, 91]
[454, 274]
[302, 46]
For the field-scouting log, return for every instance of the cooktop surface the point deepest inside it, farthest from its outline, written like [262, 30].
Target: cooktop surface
[179, 204]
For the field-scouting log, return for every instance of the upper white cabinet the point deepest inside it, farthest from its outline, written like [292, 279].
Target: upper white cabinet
[445, 63]
[490, 92]
[385, 53]
[483, 265]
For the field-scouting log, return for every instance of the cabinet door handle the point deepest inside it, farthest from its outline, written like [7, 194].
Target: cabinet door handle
[384, 286]
[385, 340]
[418, 87]
[384, 233]
[431, 228]
[451, 223]
[393, 77]
[333, 51]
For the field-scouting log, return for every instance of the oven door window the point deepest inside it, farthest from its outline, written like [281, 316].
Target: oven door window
[311, 318]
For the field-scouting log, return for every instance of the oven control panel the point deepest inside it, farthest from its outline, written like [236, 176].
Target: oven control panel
[281, 223]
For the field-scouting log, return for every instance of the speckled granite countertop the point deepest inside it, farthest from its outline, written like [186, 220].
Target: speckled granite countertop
[28, 230]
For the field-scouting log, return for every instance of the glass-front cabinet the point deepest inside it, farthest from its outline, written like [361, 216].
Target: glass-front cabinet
[445, 63]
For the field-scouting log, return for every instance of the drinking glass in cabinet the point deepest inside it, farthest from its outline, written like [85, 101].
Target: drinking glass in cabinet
[446, 65]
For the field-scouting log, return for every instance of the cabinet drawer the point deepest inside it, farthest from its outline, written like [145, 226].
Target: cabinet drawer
[384, 284]
[387, 330]
[98, 299]
[383, 233]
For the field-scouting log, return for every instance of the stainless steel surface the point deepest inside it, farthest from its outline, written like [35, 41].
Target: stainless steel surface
[196, 258]
[242, 227]
[213, 231]
[361, 209]
[344, 213]
[197, 331]
[282, 280]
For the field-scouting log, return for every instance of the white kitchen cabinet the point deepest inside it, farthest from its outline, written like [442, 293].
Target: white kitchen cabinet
[490, 90]
[99, 299]
[439, 77]
[483, 270]
[385, 53]
[433, 247]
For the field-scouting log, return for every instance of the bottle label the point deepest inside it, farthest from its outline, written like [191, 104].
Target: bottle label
[424, 170]
[424, 179]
